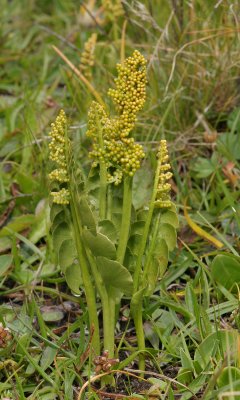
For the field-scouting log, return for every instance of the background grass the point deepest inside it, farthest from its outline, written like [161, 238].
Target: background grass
[193, 57]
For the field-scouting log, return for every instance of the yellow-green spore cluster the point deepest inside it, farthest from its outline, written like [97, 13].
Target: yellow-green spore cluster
[57, 148]
[130, 93]
[113, 9]
[61, 197]
[87, 57]
[163, 199]
[112, 143]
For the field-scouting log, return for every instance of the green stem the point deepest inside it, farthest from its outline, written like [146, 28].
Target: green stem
[143, 242]
[103, 176]
[138, 322]
[126, 219]
[103, 191]
[148, 261]
[111, 326]
[88, 286]
[109, 203]
[108, 321]
[108, 335]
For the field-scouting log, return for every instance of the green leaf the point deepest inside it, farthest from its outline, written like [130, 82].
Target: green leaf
[142, 184]
[134, 243]
[185, 377]
[55, 210]
[47, 358]
[117, 205]
[226, 270]
[27, 183]
[142, 215]
[107, 228]
[30, 368]
[186, 361]
[52, 313]
[100, 245]
[228, 376]
[60, 233]
[66, 254]
[24, 341]
[233, 120]
[117, 220]
[170, 217]
[152, 276]
[5, 263]
[5, 244]
[115, 274]
[18, 224]
[168, 233]
[86, 215]
[59, 218]
[228, 144]
[115, 294]
[151, 334]
[40, 228]
[203, 167]
[161, 255]
[192, 301]
[136, 300]
[73, 278]
[157, 384]
[137, 227]
[219, 342]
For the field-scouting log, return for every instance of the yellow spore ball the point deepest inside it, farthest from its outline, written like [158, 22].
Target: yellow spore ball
[61, 197]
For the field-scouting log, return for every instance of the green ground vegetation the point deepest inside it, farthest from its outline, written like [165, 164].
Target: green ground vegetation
[63, 55]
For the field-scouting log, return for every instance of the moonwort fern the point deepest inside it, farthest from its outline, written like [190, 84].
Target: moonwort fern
[94, 224]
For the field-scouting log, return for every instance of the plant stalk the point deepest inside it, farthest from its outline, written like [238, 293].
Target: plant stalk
[138, 322]
[147, 264]
[126, 219]
[143, 242]
[108, 322]
[103, 178]
[103, 191]
[88, 286]
[111, 327]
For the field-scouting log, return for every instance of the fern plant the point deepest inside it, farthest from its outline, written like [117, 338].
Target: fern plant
[103, 246]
